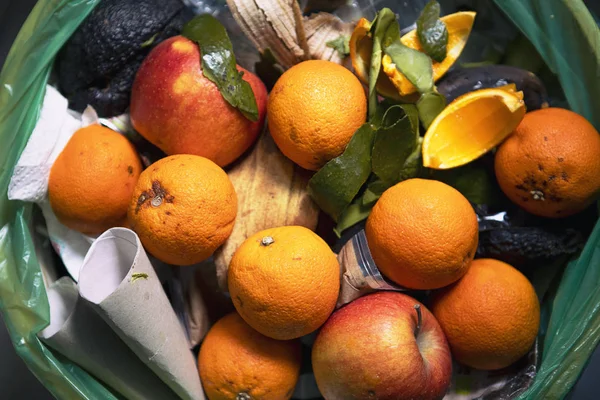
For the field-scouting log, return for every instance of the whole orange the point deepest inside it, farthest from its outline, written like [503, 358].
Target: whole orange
[237, 362]
[314, 109]
[550, 165]
[284, 281]
[183, 208]
[92, 179]
[490, 317]
[179, 110]
[422, 234]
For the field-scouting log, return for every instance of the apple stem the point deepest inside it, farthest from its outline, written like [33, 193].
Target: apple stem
[419, 319]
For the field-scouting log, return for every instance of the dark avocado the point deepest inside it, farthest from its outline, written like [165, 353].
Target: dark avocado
[463, 80]
[97, 65]
[524, 240]
[522, 246]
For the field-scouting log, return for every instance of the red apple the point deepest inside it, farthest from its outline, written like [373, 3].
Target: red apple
[176, 108]
[375, 348]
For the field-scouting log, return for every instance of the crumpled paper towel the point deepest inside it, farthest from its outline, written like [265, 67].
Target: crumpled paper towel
[29, 181]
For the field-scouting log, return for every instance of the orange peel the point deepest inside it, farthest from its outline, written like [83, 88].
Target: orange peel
[472, 125]
[392, 83]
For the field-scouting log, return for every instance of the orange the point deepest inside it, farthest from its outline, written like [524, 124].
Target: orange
[178, 109]
[183, 208]
[391, 82]
[490, 317]
[92, 179]
[284, 281]
[471, 126]
[237, 362]
[550, 165]
[422, 234]
[314, 109]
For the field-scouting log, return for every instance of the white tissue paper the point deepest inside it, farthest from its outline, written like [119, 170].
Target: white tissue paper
[29, 181]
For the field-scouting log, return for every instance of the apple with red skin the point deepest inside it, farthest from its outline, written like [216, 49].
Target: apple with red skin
[179, 110]
[375, 348]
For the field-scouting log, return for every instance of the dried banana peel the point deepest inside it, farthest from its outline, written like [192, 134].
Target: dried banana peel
[271, 192]
[278, 25]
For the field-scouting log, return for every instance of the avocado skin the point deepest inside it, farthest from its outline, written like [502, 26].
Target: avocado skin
[97, 65]
[531, 245]
[525, 241]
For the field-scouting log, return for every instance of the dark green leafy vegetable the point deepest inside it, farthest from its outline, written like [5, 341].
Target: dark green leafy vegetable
[394, 141]
[335, 185]
[341, 44]
[219, 65]
[430, 105]
[413, 64]
[432, 32]
[378, 30]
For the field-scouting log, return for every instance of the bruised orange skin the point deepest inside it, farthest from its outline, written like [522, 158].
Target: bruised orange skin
[182, 112]
[367, 350]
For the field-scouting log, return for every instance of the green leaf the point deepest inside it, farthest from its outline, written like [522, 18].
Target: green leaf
[413, 115]
[267, 69]
[373, 192]
[341, 44]
[430, 105]
[394, 141]
[413, 64]
[219, 65]
[473, 181]
[335, 185]
[378, 29]
[432, 32]
[413, 166]
[355, 213]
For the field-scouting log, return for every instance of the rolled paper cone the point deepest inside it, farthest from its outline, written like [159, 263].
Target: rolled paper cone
[359, 273]
[121, 285]
[79, 334]
[271, 192]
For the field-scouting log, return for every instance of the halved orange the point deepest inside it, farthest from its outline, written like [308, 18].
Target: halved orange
[472, 125]
[392, 83]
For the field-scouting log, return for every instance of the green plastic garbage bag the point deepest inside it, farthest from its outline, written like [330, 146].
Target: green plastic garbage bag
[564, 34]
